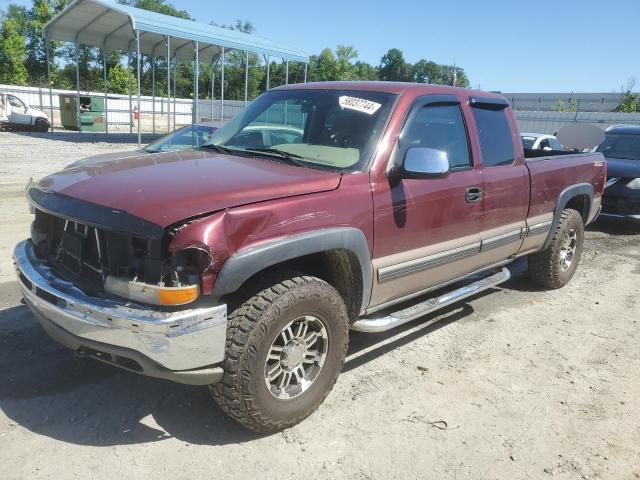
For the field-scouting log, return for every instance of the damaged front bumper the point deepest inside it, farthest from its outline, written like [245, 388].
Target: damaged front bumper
[185, 346]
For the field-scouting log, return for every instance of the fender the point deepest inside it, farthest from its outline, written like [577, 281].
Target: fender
[565, 196]
[245, 263]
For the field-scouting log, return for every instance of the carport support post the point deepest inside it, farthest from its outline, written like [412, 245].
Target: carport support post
[196, 82]
[175, 87]
[104, 77]
[153, 93]
[266, 59]
[77, 89]
[168, 84]
[286, 73]
[138, 81]
[213, 85]
[130, 93]
[305, 71]
[46, 45]
[246, 75]
[222, 87]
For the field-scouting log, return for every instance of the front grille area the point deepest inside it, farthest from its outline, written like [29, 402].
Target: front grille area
[85, 255]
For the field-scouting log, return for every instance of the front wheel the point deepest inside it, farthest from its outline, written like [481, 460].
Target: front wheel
[555, 266]
[285, 348]
[41, 125]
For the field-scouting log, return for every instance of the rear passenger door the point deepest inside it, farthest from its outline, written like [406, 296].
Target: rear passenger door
[505, 178]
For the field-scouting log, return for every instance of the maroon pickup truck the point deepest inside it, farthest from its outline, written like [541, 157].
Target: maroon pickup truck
[317, 210]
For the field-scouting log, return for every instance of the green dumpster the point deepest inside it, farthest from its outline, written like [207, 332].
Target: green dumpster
[92, 116]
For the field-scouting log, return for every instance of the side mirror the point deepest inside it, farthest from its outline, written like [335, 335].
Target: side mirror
[422, 162]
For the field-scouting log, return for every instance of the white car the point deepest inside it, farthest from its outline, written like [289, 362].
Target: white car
[15, 114]
[540, 141]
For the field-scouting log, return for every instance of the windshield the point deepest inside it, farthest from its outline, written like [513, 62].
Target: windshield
[190, 136]
[333, 129]
[624, 146]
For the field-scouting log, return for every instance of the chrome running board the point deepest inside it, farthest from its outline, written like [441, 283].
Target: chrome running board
[417, 310]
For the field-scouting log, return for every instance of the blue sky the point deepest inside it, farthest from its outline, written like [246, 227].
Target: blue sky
[507, 45]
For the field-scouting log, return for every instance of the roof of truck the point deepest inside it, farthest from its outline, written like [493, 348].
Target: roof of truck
[389, 87]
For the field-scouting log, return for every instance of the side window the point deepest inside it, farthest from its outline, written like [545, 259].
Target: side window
[555, 144]
[495, 136]
[16, 102]
[440, 127]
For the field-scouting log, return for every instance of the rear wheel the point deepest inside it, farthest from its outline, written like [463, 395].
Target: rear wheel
[555, 266]
[285, 347]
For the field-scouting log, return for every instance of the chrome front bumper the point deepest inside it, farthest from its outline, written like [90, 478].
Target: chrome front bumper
[183, 346]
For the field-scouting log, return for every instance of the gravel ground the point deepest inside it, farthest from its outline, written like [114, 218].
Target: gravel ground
[516, 383]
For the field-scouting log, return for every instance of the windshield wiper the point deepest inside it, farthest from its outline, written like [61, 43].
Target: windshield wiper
[217, 148]
[290, 157]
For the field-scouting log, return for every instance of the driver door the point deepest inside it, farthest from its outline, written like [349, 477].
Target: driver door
[427, 229]
[17, 111]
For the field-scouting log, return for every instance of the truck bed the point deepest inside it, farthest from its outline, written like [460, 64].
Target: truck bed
[553, 171]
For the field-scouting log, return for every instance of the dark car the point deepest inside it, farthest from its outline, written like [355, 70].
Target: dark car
[621, 148]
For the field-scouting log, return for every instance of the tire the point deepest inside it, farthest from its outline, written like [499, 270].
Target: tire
[554, 267]
[255, 331]
[41, 125]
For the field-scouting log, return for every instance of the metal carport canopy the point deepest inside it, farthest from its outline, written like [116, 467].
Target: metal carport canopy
[105, 24]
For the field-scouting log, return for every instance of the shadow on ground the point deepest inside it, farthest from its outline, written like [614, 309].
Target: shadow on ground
[46, 389]
[615, 227]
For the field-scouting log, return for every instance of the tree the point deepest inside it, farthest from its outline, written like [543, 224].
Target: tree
[119, 79]
[571, 106]
[427, 72]
[393, 67]
[13, 51]
[365, 71]
[630, 101]
[37, 17]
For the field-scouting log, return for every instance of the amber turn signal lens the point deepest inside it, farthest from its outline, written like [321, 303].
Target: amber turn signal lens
[153, 294]
[178, 295]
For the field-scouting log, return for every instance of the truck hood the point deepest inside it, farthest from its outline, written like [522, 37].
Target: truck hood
[167, 188]
[104, 157]
[621, 167]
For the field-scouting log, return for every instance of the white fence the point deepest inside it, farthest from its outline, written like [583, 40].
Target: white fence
[153, 115]
[551, 122]
[120, 108]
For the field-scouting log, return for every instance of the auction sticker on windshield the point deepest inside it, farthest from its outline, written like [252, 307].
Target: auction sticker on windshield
[359, 104]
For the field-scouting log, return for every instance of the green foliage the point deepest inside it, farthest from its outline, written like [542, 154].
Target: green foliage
[571, 106]
[630, 101]
[37, 17]
[119, 78]
[394, 68]
[13, 51]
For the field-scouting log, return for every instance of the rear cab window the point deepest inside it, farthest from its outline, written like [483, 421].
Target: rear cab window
[494, 131]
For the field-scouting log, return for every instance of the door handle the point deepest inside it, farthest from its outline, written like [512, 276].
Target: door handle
[473, 194]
